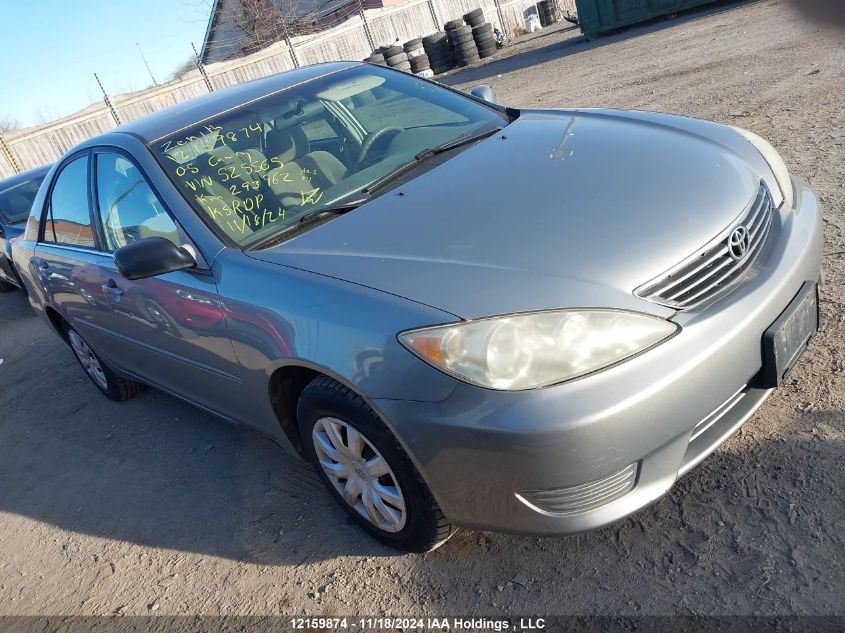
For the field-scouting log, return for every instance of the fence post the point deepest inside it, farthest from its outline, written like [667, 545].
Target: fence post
[201, 68]
[501, 16]
[292, 51]
[13, 161]
[108, 101]
[367, 31]
[437, 25]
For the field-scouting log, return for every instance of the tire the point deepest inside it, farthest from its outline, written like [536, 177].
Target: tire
[395, 60]
[406, 66]
[485, 40]
[375, 59]
[474, 15]
[482, 29]
[104, 378]
[392, 51]
[434, 38]
[440, 63]
[437, 47]
[6, 287]
[453, 24]
[412, 44]
[463, 39]
[466, 61]
[466, 50]
[420, 63]
[422, 526]
[487, 52]
[439, 58]
[462, 30]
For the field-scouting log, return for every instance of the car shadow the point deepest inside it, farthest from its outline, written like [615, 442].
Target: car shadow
[15, 307]
[574, 42]
[159, 473]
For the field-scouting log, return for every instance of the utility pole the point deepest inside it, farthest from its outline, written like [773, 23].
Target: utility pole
[146, 64]
[107, 100]
[201, 68]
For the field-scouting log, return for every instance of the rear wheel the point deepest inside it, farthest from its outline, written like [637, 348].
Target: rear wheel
[366, 469]
[103, 377]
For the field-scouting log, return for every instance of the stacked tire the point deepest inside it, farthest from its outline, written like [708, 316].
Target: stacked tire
[474, 18]
[463, 44]
[547, 12]
[436, 48]
[482, 33]
[376, 58]
[397, 58]
[420, 64]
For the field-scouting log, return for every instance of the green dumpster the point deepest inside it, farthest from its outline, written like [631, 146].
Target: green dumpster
[601, 16]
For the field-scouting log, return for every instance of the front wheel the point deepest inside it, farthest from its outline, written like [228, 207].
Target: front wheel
[103, 377]
[367, 471]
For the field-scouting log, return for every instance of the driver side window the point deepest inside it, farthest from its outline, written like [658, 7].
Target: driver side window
[129, 209]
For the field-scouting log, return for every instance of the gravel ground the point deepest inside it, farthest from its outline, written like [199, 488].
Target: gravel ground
[155, 506]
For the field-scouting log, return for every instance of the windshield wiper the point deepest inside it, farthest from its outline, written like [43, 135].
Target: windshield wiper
[425, 154]
[308, 218]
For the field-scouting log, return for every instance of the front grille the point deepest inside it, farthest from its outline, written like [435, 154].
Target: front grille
[712, 271]
[583, 497]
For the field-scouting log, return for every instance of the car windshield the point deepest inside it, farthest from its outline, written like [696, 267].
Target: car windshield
[16, 200]
[257, 171]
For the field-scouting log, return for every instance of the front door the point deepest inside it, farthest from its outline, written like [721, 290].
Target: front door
[168, 331]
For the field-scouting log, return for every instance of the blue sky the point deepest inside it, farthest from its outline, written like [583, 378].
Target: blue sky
[49, 50]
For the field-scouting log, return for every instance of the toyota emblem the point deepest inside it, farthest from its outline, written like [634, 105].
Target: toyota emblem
[738, 243]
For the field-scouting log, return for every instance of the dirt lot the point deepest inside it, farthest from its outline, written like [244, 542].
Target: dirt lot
[155, 506]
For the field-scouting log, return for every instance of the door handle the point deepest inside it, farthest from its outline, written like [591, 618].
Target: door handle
[111, 288]
[45, 269]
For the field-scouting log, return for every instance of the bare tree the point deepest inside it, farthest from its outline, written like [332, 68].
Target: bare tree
[8, 124]
[267, 21]
[184, 68]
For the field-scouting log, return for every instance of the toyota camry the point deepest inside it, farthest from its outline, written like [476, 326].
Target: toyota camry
[462, 314]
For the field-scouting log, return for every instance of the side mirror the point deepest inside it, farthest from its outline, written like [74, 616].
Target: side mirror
[150, 257]
[483, 91]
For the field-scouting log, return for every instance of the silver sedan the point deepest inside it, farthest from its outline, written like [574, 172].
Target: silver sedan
[462, 314]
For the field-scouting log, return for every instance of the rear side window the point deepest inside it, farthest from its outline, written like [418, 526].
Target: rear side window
[129, 209]
[68, 218]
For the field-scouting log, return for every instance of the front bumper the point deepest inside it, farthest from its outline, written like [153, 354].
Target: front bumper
[483, 452]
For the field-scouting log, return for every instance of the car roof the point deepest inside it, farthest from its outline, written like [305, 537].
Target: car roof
[32, 174]
[183, 115]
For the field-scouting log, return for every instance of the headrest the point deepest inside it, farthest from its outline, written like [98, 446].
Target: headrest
[288, 144]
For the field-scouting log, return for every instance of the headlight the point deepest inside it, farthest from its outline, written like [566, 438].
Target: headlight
[775, 162]
[536, 349]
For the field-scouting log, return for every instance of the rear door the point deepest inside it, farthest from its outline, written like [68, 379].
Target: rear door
[169, 330]
[66, 259]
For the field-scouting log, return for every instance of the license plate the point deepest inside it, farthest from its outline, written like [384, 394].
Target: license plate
[787, 338]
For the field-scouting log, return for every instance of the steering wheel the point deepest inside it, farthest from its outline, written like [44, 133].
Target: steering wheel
[371, 139]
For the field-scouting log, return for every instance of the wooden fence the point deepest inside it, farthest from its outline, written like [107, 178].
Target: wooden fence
[351, 39]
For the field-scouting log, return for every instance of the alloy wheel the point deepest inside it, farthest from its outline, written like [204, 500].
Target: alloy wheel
[359, 473]
[88, 360]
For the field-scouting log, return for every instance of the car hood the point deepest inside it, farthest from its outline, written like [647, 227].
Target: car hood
[562, 209]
